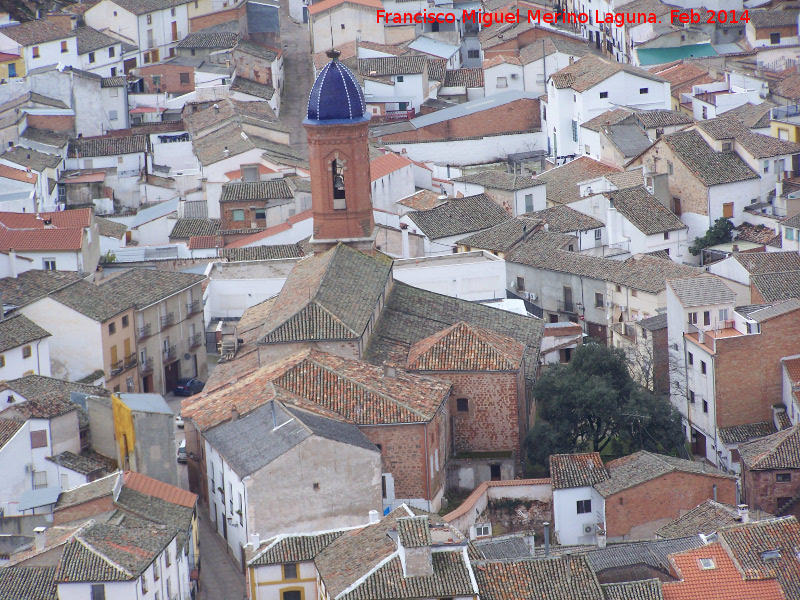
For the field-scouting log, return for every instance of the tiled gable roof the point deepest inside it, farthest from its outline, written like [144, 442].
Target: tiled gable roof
[37, 161]
[84, 464]
[777, 287]
[644, 211]
[414, 532]
[709, 166]
[648, 589]
[576, 470]
[560, 578]
[756, 144]
[563, 219]
[252, 88]
[188, 228]
[464, 347]
[392, 65]
[293, 548]
[758, 234]
[744, 433]
[32, 285]
[141, 7]
[759, 263]
[629, 139]
[752, 116]
[8, 429]
[108, 228]
[423, 200]
[36, 32]
[609, 117]
[256, 190]
[28, 583]
[107, 146]
[661, 117]
[144, 287]
[591, 70]
[459, 216]
[262, 252]
[254, 49]
[327, 296]
[641, 467]
[94, 301]
[158, 489]
[780, 450]
[385, 164]
[773, 18]
[653, 553]
[47, 397]
[623, 180]
[90, 39]
[747, 544]
[214, 39]
[702, 291]
[470, 78]
[437, 67]
[706, 518]
[764, 312]
[500, 180]
[505, 236]
[18, 330]
[562, 182]
[552, 45]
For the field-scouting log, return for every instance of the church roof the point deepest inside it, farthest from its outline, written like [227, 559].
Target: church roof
[336, 96]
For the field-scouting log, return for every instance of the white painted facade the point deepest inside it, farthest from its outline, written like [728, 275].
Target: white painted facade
[16, 365]
[473, 276]
[472, 152]
[392, 187]
[63, 51]
[106, 62]
[344, 23]
[571, 526]
[790, 392]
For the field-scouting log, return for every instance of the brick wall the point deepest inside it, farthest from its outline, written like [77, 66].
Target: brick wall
[237, 13]
[170, 78]
[747, 371]
[664, 498]
[83, 511]
[660, 342]
[51, 122]
[763, 33]
[249, 208]
[762, 490]
[519, 115]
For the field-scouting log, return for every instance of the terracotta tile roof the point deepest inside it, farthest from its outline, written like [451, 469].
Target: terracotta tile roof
[752, 116]
[392, 65]
[641, 467]
[80, 463]
[710, 167]
[745, 433]
[500, 180]
[722, 580]
[414, 532]
[327, 296]
[644, 211]
[662, 118]
[792, 367]
[470, 78]
[422, 200]
[262, 252]
[777, 287]
[108, 146]
[32, 285]
[507, 235]
[93, 301]
[589, 71]
[759, 263]
[706, 518]
[164, 491]
[779, 450]
[563, 219]
[681, 74]
[648, 589]
[36, 32]
[788, 87]
[327, 4]
[47, 397]
[293, 548]
[757, 145]
[8, 429]
[28, 583]
[562, 182]
[437, 69]
[560, 578]
[198, 242]
[576, 470]
[463, 347]
[459, 216]
[19, 330]
[144, 287]
[37, 161]
[388, 163]
[749, 544]
[626, 179]
[610, 117]
[758, 234]
[7, 172]
[188, 228]
[41, 239]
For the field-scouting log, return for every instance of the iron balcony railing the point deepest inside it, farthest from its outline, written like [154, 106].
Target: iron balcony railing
[144, 331]
[167, 320]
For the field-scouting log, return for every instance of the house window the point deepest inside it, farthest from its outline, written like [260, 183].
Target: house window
[705, 406]
[125, 321]
[292, 594]
[502, 82]
[727, 210]
[2, 361]
[666, 235]
[98, 591]
[584, 506]
[290, 571]
[64, 47]
[483, 529]
[783, 477]
[237, 215]
[26, 352]
[112, 116]
[619, 288]
[598, 234]
[586, 149]
[91, 57]
[574, 131]
[669, 167]
[112, 328]
[766, 166]
[146, 58]
[706, 317]
[184, 78]
[114, 92]
[49, 264]
[261, 214]
[691, 396]
[172, 12]
[39, 438]
[39, 480]
[634, 293]
[156, 572]
[342, 25]
[603, 94]
[112, 53]
[692, 318]
[157, 80]
[399, 79]
[723, 314]
[473, 53]
[144, 577]
[643, 90]
[149, 19]
[789, 234]
[520, 284]
[462, 405]
[703, 367]
[775, 38]
[705, 112]
[36, 52]
[250, 173]
[691, 358]
[598, 300]
[528, 203]
[12, 69]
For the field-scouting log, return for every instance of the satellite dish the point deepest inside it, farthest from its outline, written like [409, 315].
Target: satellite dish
[187, 356]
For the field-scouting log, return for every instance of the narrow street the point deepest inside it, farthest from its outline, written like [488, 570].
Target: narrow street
[298, 76]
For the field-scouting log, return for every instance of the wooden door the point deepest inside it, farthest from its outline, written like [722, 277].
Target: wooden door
[127, 348]
[114, 357]
[174, 31]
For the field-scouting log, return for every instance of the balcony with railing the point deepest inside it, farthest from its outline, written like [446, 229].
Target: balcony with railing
[193, 307]
[196, 340]
[566, 306]
[146, 367]
[167, 320]
[399, 115]
[130, 361]
[117, 368]
[170, 355]
[144, 332]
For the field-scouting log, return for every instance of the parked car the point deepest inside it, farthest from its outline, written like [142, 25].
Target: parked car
[179, 421]
[188, 387]
[182, 452]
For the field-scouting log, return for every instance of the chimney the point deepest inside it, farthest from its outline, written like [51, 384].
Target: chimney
[216, 108]
[389, 370]
[40, 538]
[234, 413]
[28, 173]
[568, 559]
[73, 22]
[546, 226]
[735, 248]
[601, 539]
[255, 540]
[374, 516]
[571, 59]
[225, 151]
[714, 488]
[744, 513]
[418, 561]
[12, 259]
[546, 538]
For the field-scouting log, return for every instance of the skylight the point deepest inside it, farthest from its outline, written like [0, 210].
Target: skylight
[707, 563]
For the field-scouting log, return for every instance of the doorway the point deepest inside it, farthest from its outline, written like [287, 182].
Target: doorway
[147, 384]
[494, 471]
[170, 377]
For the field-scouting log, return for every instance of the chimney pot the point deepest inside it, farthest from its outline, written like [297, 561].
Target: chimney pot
[389, 370]
[40, 538]
[546, 538]
[255, 540]
[735, 248]
[714, 489]
[744, 513]
[234, 414]
[374, 516]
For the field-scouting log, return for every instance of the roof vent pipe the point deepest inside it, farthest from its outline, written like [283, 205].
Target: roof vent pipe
[546, 538]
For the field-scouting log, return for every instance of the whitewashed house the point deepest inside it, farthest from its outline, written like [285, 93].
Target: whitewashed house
[99, 53]
[40, 43]
[578, 508]
[392, 177]
[24, 348]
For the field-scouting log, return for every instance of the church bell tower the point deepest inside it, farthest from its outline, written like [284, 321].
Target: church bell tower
[337, 127]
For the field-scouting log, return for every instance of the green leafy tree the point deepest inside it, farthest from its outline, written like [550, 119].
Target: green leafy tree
[719, 233]
[592, 400]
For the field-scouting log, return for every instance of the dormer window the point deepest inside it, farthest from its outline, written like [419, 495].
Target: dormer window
[337, 173]
[726, 146]
[707, 564]
[771, 555]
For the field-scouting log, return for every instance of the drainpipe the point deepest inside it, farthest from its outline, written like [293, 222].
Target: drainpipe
[427, 467]
[38, 362]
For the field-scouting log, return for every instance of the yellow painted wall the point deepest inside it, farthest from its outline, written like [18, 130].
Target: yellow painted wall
[19, 63]
[123, 428]
[794, 130]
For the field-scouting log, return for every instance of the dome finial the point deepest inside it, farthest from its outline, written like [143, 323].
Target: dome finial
[333, 54]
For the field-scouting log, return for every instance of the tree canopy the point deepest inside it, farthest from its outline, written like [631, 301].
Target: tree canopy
[718, 233]
[592, 400]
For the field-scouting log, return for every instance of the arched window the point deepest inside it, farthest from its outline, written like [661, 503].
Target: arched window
[337, 173]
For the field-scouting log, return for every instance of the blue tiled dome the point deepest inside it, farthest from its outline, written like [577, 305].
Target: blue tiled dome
[336, 96]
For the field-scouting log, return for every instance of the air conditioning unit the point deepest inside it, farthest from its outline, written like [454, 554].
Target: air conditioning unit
[513, 76]
[29, 468]
[589, 528]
